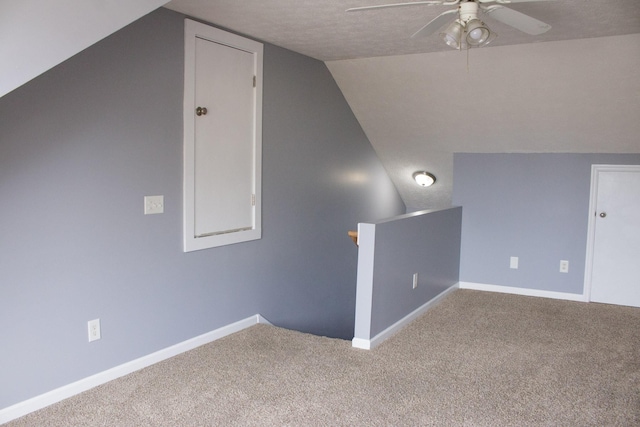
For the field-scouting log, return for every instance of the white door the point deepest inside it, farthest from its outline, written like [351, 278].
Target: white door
[615, 273]
[222, 137]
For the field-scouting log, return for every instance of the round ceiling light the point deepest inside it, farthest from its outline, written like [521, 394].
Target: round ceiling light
[424, 179]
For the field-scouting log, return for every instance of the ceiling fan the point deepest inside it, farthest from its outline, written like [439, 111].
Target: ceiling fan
[467, 30]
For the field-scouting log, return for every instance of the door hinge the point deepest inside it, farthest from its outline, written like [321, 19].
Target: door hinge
[254, 81]
[253, 200]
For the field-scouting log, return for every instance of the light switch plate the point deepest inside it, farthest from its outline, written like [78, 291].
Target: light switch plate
[153, 205]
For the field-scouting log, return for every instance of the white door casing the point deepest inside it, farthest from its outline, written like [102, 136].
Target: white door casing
[612, 273]
[222, 137]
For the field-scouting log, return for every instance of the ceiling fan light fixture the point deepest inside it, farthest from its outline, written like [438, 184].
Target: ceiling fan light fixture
[453, 34]
[477, 33]
[468, 30]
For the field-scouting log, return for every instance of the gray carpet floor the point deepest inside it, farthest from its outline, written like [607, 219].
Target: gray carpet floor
[475, 359]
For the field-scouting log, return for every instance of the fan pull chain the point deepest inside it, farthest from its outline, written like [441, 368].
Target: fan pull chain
[467, 59]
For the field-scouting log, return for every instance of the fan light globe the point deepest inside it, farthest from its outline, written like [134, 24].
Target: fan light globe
[424, 179]
[450, 40]
[452, 35]
[477, 33]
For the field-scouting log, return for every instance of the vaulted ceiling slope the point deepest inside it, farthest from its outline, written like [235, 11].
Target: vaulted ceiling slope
[38, 35]
[574, 96]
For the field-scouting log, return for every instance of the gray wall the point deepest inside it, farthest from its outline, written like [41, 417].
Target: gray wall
[427, 243]
[79, 148]
[533, 206]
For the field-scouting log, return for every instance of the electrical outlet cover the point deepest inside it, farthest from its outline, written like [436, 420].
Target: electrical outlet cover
[94, 330]
[513, 262]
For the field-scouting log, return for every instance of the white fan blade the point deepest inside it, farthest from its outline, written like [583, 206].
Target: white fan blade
[511, 1]
[415, 3]
[435, 24]
[517, 20]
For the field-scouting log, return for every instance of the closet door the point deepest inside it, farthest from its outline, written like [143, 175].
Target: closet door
[615, 223]
[222, 138]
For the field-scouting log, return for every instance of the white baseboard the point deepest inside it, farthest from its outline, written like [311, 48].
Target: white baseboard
[369, 344]
[361, 343]
[23, 408]
[523, 291]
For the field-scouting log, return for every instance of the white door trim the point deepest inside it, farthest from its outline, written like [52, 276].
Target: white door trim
[591, 229]
[191, 241]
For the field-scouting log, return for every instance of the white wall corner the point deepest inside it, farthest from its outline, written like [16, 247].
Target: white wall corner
[361, 343]
[261, 320]
[364, 284]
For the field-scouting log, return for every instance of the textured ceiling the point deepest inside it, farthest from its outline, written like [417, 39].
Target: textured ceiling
[419, 101]
[323, 30]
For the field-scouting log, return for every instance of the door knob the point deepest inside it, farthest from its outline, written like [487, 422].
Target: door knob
[603, 214]
[201, 111]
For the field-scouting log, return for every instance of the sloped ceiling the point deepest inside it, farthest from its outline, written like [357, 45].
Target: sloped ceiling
[37, 35]
[572, 89]
[566, 96]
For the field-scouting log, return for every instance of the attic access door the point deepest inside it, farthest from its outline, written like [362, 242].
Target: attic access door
[222, 138]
